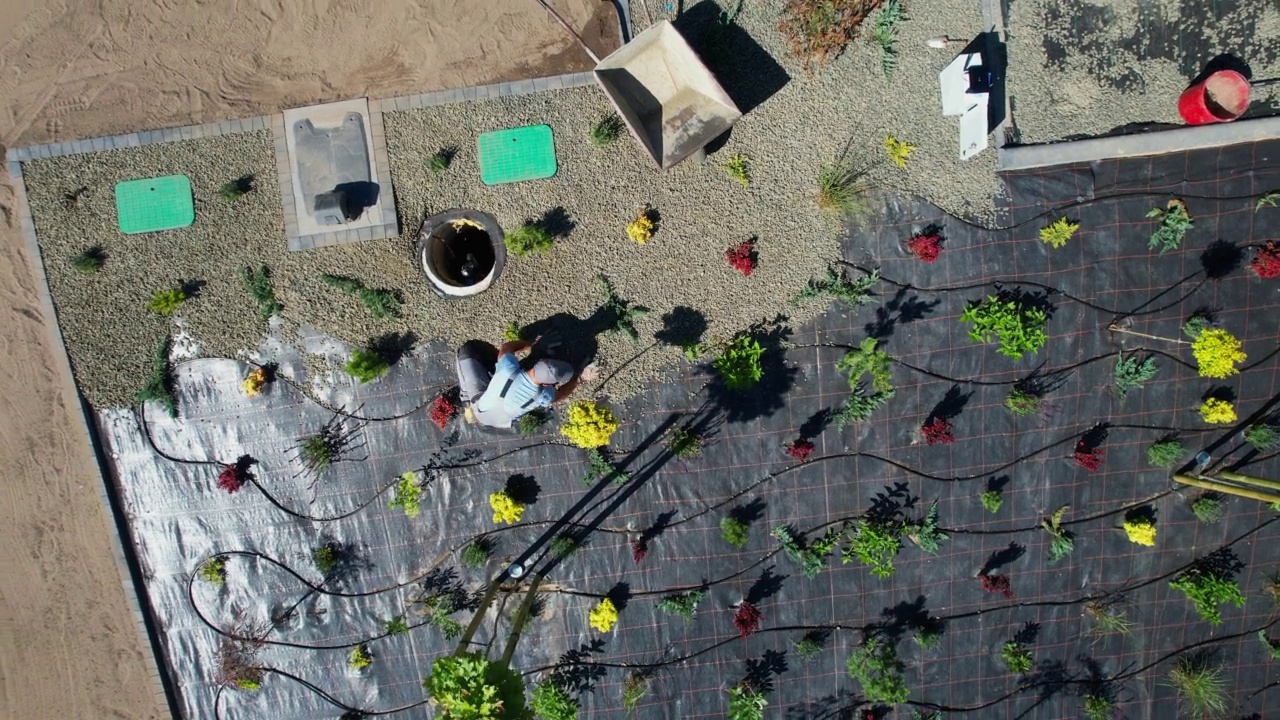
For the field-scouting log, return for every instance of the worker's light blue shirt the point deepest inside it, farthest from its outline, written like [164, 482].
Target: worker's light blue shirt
[511, 393]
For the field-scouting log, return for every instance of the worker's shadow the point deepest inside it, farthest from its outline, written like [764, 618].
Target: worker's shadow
[566, 337]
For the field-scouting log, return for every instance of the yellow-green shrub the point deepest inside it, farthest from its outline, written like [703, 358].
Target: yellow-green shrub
[1216, 352]
[589, 425]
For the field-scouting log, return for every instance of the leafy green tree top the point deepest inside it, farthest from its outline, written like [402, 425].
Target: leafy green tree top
[468, 686]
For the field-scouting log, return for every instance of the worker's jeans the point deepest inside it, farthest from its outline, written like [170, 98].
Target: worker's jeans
[476, 360]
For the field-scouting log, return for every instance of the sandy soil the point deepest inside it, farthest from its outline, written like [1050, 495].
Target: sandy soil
[79, 68]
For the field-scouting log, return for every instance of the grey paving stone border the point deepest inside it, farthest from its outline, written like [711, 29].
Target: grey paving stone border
[161, 683]
[1022, 157]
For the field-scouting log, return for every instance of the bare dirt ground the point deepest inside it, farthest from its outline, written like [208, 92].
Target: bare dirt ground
[80, 68]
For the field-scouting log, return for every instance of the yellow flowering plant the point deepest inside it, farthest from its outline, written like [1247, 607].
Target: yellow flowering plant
[1141, 531]
[254, 382]
[505, 509]
[589, 425]
[899, 151]
[1217, 411]
[604, 615]
[641, 229]
[1216, 352]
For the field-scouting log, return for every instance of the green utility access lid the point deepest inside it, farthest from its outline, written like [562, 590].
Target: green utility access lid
[153, 204]
[523, 153]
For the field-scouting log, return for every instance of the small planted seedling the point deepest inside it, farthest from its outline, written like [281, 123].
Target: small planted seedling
[160, 385]
[214, 571]
[818, 31]
[634, 688]
[359, 658]
[734, 532]
[620, 314]
[606, 131]
[884, 32]
[1174, 224]
[743, 257]
[1208, 583]
[842, 190]
[812, 558]
[738, 168]
[326, 447]
[1209, 507]
[601, 466]
[929, 636]
[1166, 452]
[1272, 646]
[1262, 437]
[992, 500]
[838, 287]
[1022, 402]
[925, 532]
[869, 359]
[71, 198]
[166, 302]
[682, 605]
[408, 495]
[899, 151]
[512, 332]
[1131, 373]
[739, 363]
[236, 189]
[746, 702]
[1016, 657]
[442, 159]
[532, 421]
[326, 558]
[1061, 541]
[89, 260]
[1201, 686]
[1217, 352]
[685, 444]
[395, 626]
[1271, 199]
[529, 239]
[1109, 618]
[876, 667]
[258, 284]
[859, 406]
[1010, 317]
[477, 553]
[564, 545]
[1057, 233]
[937, 431]
[874, 543]
[382, 304]
[641, 229]
[550, 701]
[366, 365]
[809, 647]
[1266, 263]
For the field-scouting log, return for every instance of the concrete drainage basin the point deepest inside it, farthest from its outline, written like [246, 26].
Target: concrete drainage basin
[461, 252]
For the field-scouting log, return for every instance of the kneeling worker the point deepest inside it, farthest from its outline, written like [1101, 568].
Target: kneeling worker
[498, 394]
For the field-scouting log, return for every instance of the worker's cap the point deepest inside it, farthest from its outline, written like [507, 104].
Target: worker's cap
[551, 372]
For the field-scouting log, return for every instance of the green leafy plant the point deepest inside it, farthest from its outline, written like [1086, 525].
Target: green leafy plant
[408, 495]
[992, 500]
[606, 131]
[843, 190]
[1131, 373]
[1057, 233]
[1200, 686]
[874, 542]
[160, 386]
[395, 626]
[89, 260]
[236, 189]
[837, 286]
[382, 304]
[683, 604]
[693, 350]
[1061, 542]
[359, 658]
[1209, 507]
[1271, 199]
[1174, 224]
[366, 365]
[512, 332]
[739, 363]
[1272, 646]
[477, 553]
[326, 558]
[442, 159]
[868, 358]
[876, 667]
[634, 688]
[929, 636]
[1016, 658]
[552, 702]
[258, 284]
[746, 702]
[1166, 452]
[818, 30]
[925, 532]
[1196, 324]
[600, 466]
[1207, 586]
[564, 545]
[528, 239]
[734, 532]
[621, 313]
[320, 450]
[1010, 317]
[685, 444]
[809, 647]
[214, 571]
[899, 151]
[467, 686]
[1099, 707]
[1022, 402]
[1262, 437]
[437, 607]
[884, 32]
[532, 421]
[859, 406]
[812, 558]
[738, 168]
[1109, 618]
[166, 302]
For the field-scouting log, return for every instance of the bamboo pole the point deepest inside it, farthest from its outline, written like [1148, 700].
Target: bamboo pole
[1248, 479]
[1210, 484]
[517, 627]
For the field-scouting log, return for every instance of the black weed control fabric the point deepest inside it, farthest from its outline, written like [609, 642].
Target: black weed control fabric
[167, 469]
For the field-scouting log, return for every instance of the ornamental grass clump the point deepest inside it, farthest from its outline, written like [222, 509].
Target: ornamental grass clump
[529, 239]
[505, 509]
[1217, 351]
[739, 363]
[1201, 687]
[1218, 411]
[1010, 317]
[1109, 618]
[842, 190]
[1021, 402]
[606, 131]
[603, 616]
[876, 667]
[1166, 452]
[588, 424]
[1262, 437]
[1174, 224]
[1209, 507]
[1061, 541]
[820, 30]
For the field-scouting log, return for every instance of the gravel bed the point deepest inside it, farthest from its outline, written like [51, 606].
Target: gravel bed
[787, 137]
[1080, 68]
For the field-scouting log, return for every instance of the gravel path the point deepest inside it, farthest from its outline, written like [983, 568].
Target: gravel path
[1088, 67]
[702, 212]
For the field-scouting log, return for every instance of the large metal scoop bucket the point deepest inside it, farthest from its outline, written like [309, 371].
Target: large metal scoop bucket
[668, 99]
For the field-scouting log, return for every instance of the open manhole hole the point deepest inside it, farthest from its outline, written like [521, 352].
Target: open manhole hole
[461, 252]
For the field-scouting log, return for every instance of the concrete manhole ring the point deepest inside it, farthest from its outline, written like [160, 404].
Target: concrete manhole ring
[461, 252]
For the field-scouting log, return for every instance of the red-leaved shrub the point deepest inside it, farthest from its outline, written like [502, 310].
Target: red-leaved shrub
[925, 246]
[937, 432]
[747, 619]
[800, 449]
[442, 411]
[1267, 262]
[233, 477]
[1088, 458]
[997, 584]
[742, 257]
[639, 549]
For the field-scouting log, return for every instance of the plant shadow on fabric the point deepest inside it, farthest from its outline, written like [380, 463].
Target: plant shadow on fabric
[523, 489]
[776, 379]
[898, 310]
[903, 618]
[762, 670]
[950, 406]
[765, 586]
[1000, 558]
[1221, 258]
[746, 71]
[574, 671]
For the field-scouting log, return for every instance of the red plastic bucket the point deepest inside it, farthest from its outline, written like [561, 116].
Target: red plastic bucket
[1221, 97]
